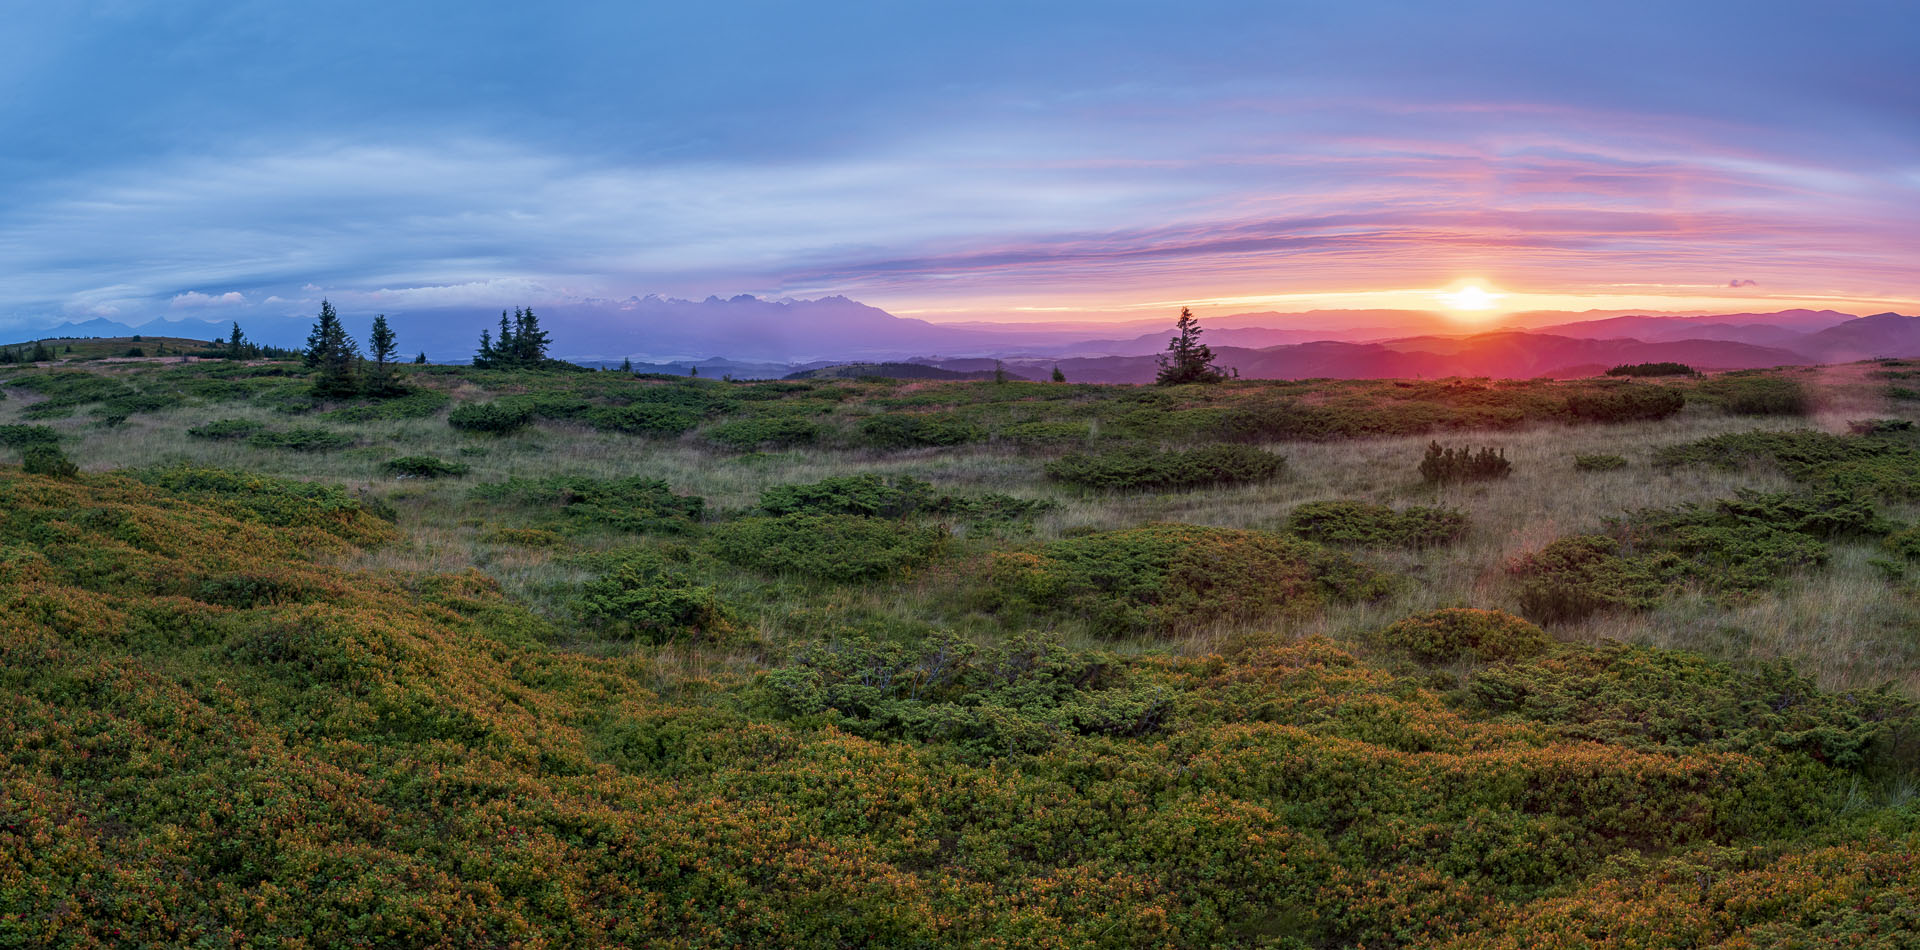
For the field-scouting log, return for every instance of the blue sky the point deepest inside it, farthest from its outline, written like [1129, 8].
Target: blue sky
[967, 161]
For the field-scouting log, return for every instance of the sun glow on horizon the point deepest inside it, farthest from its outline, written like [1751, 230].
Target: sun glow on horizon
[1469, 298]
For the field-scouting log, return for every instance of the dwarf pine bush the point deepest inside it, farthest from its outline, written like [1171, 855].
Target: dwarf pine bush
[1443, 466]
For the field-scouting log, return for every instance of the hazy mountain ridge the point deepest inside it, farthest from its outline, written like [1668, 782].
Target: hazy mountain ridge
[752, 337]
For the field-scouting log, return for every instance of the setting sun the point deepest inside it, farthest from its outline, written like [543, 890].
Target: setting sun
[1469, 297]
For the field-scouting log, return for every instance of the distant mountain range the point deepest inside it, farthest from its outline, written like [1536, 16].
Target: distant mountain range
[750, 337]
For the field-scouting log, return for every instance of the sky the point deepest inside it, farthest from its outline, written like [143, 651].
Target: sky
[973, 161]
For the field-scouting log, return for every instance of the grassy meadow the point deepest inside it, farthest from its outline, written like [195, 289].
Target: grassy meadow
[547, 658]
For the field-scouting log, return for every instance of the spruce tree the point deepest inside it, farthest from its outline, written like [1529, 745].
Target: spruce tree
[1058, 376]
[487, 354]
[506, 349]
[1187, 360]
[420, 360]
[236, 343]
[380, 346]
[529, 341]
[331, 351]
[626, 365]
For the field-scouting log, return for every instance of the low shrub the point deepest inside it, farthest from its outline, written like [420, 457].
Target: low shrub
[1599, 462]
[651, 419]
[1628, 403]
[622, 504]
[1747, 394]
[425, 466]
[645, 598]
[1663, 700]
[524, 537]
[1653, 369]
[832, 547]
[1019, 697]
[1583, 574]
[20, 436]
[765, 432]
[494, 418]
[281, 502]
[1045, 434]
[1139, 469]
[41, 458]
[1443, 466]
[300, 439]
[1454, 633]
[1167, 577]
[898, 430]
[869, 495]
[1879, 426]
[1733, 548]
[1876, 464]
[221, 429]
[1904, 542]
[1357, 522]
[405, 404]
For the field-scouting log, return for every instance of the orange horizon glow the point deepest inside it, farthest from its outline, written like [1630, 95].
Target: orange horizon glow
[1485, 302]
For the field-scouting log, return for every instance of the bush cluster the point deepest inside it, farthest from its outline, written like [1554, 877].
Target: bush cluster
[1168, 577]
[1733, 548]
[763, 432]
[1454, 633]
[899, 497]
[426, 466]
[300, 439]
[646, 598]
[1599, 462]
[1653, 369]
[643, 418]
[1628, 403]
[831, 547]
[223, 429]
[1022, 696]
[494, 418]
[1873, 465]
[21, 436]
[1357, 522]
[1441, 466]
[41, 458]
[1142, 469]
[622, 504]
[1748, 393]
[899, 430]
